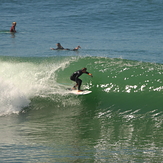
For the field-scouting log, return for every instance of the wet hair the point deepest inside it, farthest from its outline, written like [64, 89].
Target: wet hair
[58, 44]
[85, 69]
[13, 23]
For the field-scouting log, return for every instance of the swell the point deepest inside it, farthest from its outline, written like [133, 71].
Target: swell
[116, 83]
[118, 75]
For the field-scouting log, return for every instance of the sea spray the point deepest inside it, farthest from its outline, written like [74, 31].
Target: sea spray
[12, 99]
[22, 79]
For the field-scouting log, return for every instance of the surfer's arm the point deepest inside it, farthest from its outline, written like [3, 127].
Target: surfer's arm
[53, 49]
[89, 74]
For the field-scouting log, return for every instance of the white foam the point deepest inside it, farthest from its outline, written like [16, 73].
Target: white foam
[11, 99]
[20, 82]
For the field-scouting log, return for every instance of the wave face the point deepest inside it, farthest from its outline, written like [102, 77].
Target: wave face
[116, 83]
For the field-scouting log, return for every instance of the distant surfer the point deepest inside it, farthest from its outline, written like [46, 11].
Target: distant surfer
[77, 48]
[60, 47]
[13, 27]
[75, 77]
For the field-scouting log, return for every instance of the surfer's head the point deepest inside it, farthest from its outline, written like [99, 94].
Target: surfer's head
[58, 45]
[14, 23]
[84, 69]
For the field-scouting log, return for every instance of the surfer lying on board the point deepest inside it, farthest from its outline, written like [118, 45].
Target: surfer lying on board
[75, 49]
[75, 77]
[60, 47]
[13, 27]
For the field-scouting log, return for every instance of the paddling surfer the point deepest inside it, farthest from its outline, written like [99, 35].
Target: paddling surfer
[60, 47]
[75, 77]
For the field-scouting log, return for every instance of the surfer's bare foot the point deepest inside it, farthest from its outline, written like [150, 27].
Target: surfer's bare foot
[73, 88]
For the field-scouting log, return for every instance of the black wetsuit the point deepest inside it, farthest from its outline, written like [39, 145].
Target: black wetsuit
[75, 77]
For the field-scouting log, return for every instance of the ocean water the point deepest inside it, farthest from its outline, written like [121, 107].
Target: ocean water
[121, 45]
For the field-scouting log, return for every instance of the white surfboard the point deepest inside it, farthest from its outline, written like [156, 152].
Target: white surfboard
[5, 32]
[84, 92]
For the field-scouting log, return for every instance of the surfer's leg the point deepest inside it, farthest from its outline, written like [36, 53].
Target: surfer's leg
[73, 79]
[74, 87]
[79, 82]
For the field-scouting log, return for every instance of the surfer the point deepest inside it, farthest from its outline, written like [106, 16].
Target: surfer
[75, 77]
[77, 48]
[13, 27]
[60, 47]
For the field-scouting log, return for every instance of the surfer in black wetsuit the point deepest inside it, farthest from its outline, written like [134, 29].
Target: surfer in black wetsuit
[60, 47]
[75, 77]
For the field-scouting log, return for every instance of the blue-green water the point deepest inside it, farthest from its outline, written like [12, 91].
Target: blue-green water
[120, 121]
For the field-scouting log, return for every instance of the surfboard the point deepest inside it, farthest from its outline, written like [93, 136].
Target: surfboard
[5, 32]
[84, 92]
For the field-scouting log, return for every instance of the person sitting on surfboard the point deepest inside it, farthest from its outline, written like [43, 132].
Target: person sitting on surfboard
[60, 47]
[75, 77]
[13, 27]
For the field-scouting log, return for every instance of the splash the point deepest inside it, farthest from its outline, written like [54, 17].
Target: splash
[12, 99]
[22, 79]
